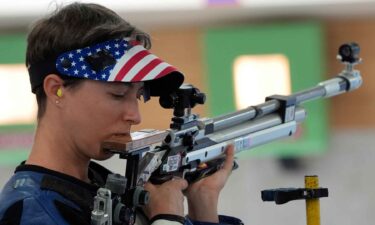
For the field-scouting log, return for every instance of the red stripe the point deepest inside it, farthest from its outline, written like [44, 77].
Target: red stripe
[145, 70]
[130, 63]
[134, 42]
[166, 71]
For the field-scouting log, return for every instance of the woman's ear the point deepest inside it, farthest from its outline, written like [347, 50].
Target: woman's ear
[53, 87]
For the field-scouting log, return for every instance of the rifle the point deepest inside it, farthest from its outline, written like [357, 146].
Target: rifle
[194, 147]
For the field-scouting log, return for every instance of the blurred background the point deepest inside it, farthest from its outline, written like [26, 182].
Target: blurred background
[238, 52]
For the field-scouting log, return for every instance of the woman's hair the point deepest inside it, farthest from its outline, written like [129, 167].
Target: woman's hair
[74, 26]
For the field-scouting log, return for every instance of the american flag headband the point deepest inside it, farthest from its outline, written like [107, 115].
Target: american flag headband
[113, 60]
[117, 60]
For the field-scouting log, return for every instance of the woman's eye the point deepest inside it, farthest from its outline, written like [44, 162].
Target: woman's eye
[118, 96]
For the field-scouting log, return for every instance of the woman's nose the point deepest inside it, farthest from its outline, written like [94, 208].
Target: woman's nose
[132, 113]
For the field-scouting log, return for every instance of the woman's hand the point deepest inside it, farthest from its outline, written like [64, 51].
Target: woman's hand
[166, 198]
[203, 195]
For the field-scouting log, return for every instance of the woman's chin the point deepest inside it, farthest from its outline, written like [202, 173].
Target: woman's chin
[104, 155]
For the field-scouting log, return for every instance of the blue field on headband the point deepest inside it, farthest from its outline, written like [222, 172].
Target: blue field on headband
[93, 62]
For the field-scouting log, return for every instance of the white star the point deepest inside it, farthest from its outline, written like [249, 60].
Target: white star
[89, 53]
[93, 71]
[65, 69]
[117, 45]
[62, 59]
[107, 47]
[96, 78]
[70, 55]
[103, 76]
[86, 75]
[79, 50]
[75, 72]
[117, 53]
[125, 45]
[73, 63]
[81, 59]
[98, 50]
[83, 67]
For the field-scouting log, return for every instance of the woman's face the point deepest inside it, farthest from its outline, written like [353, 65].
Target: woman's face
[94, 111]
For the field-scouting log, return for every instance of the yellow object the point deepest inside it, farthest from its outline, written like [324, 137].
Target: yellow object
[59, 92]
[312, 205]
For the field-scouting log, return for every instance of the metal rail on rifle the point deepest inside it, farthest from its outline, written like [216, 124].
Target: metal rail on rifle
[194, 147]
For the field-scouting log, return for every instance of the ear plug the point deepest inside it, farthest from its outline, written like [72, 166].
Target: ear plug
[59, 92]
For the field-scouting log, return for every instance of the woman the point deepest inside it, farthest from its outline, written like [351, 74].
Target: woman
[88, 68]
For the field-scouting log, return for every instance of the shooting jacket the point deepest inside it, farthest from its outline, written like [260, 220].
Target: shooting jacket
[36, 196]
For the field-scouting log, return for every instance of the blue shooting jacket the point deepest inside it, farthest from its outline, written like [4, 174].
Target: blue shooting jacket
[36, 196]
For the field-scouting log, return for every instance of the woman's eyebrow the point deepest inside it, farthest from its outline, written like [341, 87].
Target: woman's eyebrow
[121, 86]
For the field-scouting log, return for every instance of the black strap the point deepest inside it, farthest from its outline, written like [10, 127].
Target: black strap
[96, 173]
[38, 71]
[83, 198]
[169, 217]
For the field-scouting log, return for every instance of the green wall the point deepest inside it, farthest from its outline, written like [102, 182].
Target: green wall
[302, 44]
[12, 48]
[12, 51]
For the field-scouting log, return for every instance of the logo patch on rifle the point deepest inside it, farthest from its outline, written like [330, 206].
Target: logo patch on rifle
[242, 143]
[172, 163]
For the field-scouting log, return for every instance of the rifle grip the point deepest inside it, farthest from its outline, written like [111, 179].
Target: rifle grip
[191, 177]
[212, 167]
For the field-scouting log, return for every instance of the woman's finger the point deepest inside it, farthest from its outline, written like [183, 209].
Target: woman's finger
[228, 164]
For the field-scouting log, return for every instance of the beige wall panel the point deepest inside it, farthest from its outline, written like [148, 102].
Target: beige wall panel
[182, 49]
[357, 109]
